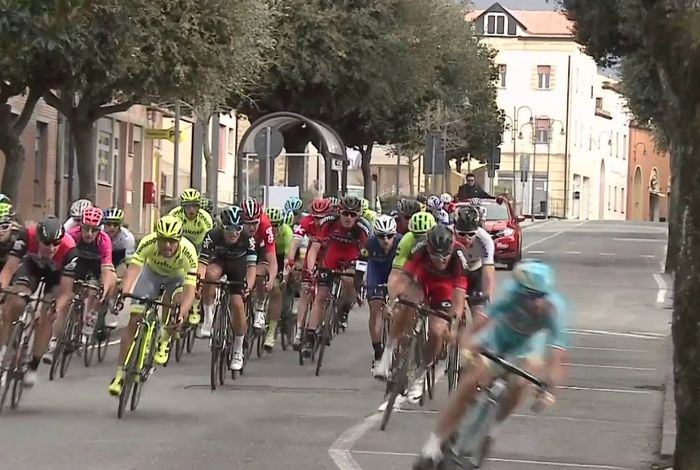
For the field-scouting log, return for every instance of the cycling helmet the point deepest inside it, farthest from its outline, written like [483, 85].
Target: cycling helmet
[232, 218]
[467, 219]
[206, 204]
[293, 204]
[364, 203]
[92, 217]
[440, 241]
[169, 226]
[442, 217]
[275, 215]
[77, 208]
[288, 218]
[251, 209]
[394, 213]
[421, 222]
[475, 201]
[384, 225]
[534, 276]
[446, 198]
[50, 230]
[320, 206]
[434, 203]
[113, 214]
[6, 213]
[5, 199]
[422, 198]
[409, 207]
[350, 203]
[190, 196]
[334, 201]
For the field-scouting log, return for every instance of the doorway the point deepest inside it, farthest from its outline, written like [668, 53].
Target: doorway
[601, 191]
[637, 199]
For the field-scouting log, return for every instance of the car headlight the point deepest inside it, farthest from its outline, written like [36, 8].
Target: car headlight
[506, 232]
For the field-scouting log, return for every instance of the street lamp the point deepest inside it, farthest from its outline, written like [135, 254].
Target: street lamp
[550, 127]
[515, 132]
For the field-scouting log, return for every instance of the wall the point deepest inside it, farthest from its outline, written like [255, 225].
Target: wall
[645, 161]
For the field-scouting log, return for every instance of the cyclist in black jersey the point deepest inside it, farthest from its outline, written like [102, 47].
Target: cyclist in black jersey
[229, 250]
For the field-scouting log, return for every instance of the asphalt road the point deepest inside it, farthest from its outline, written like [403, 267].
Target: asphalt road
[280, 416]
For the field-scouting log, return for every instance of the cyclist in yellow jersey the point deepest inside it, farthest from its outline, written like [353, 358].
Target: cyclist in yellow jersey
[162, 258]
[418, 226]
[196, 221]
[368, 213]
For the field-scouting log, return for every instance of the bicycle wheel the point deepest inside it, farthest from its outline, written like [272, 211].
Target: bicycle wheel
[103, 344]
[180, 343]
[216, 349]
[226, 352]
[259, 342]
[72, 342]
[452, 368]
[89, 346]
[21, 364]
[146, 370]
[191, 336]
[9, 363]
[430, 380]
[131, 371]
[399, 380]
[325, 336]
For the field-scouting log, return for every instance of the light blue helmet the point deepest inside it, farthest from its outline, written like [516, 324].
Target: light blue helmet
[534, 276]
[293, 204]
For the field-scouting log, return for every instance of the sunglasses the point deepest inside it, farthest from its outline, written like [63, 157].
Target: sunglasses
[112, 224]
[5, 226]
[470, 234]
[233, 228]
[88, 229]
[168, 240]
[187, 206]
[386, 236]
[349, 214]
[440, 256]
[51, 242]
[252, 222]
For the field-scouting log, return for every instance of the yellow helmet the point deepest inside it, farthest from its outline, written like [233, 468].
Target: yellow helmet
[190, 196]
[169, 226]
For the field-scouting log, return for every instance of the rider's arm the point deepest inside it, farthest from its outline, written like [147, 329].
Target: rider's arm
[146, 248]
[361, 265]
[557, 342]
[190, 281]
[488, 270]
[251, 259]
[8, 270]
[107, 276]
[129, 243]
[312, 254]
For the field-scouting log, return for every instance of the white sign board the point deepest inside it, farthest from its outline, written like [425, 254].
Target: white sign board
[279, 194]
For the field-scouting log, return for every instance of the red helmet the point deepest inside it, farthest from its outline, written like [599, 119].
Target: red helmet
[92, 217]
[320, 206]
[251, 209]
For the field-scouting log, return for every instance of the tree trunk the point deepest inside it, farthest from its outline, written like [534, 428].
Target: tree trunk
[686, 303]
[11, 146]
[366, 151]
[673, 219]
[411, 175]
[206, 154]
[86, 159]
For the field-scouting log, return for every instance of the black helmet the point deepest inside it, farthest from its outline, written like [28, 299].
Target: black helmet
[409, 207]
[351, 203]
[440, 240]
[467, 219]
[50, 230]
[422, 198]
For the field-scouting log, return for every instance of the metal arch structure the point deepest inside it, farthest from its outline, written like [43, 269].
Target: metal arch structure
[332, 146]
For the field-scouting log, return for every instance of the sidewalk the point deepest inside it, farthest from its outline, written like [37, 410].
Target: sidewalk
[668, 427]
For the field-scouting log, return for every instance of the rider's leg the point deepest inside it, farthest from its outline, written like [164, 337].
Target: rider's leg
[275, 313]
[322, 294]
[238, 323]
[173, 296]
[302, 305]
[402, 320]
[213, 274]
[376, 309]
[259, 296]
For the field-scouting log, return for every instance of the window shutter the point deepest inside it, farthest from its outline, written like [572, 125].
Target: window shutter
[552, 77]
[533, 80]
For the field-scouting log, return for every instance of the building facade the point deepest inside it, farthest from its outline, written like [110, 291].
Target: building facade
[549, 89]
[649, 178]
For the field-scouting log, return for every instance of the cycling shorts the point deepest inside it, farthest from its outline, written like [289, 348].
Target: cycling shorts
[235, 271]
[87, 268]
[148, 285]
[476, 289]
[377, 273]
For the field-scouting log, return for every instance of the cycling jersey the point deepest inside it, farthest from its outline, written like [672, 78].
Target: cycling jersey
[99, 250]
[370, 215]
[183, 264]
[283, 239]
[70, 224]
[481, 251]
[194, 229]
[307, 227]
[5, 248]
[341, 245]
[517, 331]
[33, 268]
[379, 263]
[123, 246]
[406, 246]
[215, 248]
[438, 285]
[264, 237]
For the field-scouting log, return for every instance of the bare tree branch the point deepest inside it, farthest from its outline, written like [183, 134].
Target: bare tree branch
[27, 111]
[113, 108]
[55, 102]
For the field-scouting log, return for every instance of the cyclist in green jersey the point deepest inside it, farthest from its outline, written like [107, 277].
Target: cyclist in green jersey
[368, 213]
[283, 241]
[196, 221]
[418, 226]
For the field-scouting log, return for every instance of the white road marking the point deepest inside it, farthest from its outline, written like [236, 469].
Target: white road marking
[631, 334]
[548, 237]
[545, 463]
[572, 252]
[647, 240]
[607, 390]
[585, 348]
[607, 254]
[536, 252]
[661, 293]
[340, 450]
[600, 366]
[647, 256]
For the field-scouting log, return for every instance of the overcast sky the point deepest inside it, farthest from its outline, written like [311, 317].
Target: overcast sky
[517, 4]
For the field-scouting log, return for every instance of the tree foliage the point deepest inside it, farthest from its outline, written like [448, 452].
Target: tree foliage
[657, 43]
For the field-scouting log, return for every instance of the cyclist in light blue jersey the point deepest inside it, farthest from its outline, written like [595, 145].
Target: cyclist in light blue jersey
[527, 326]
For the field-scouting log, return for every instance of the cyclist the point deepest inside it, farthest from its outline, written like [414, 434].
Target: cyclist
[406, 208]
[379, 253]
[479, 248]
[342, 236]
[76, 214]
[293, 205]
[228, 250]
[258, 225]
[527, 325]
[163, 257]
[42, 251]
[418, 226]
[308, 227]
[335, 202]
[7, 234]
[283, 241]
[206, 204]
[123, 247]
[367, 213]
[442, 217]
[436, 274]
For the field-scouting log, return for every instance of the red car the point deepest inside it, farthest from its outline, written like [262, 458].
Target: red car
[504, 227]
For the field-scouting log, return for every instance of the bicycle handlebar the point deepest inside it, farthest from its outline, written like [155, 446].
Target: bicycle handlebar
[514, 369]
[28, 297]
[224, 283]
[425, 311]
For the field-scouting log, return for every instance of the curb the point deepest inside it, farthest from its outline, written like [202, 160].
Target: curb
[668, 425]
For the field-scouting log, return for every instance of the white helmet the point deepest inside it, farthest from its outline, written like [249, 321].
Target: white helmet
[78, 207]
[434, 203]
[385, 225]
[442, 217]
[446, 198]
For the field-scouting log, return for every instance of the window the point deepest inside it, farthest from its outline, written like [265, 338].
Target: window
[615, 200]
[502, 70]
[495, 23]
[598, 103]
[624, 147]
[609, 196]
[622, 200]
[543, 75]
[104, 157]
[41, 147]
[617, 145]
[542, 129]
[231, 141]
[223, 133]
[590, 138]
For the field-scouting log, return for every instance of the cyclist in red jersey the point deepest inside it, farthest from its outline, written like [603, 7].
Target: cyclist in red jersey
[436, 273]
[42, 251]
[308, 226]
[342, 237]
[406, 208]
[258, 225]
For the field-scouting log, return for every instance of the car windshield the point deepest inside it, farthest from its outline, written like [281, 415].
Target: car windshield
[496, 211]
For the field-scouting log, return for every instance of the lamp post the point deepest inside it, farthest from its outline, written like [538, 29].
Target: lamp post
[515, 133]
[550, 127]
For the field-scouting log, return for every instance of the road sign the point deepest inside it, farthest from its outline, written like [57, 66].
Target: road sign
[434, 161]
[336, 164]
[166, 134]
[268, 142]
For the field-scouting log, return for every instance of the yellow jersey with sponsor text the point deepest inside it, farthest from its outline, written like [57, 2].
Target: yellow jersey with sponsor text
[194, 229]
[182, 264]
